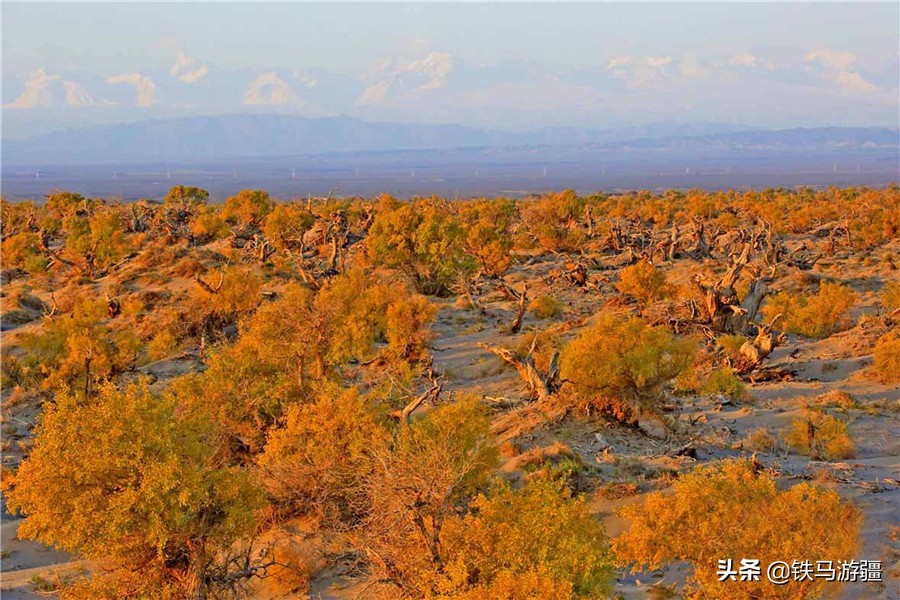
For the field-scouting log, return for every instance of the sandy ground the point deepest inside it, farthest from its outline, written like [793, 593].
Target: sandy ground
[839, 363]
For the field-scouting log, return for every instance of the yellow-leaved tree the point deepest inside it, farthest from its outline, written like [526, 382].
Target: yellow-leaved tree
[537, 542]
[317, 462]
[434, 465]
[125, 479]
[620, 365]
[731, 511]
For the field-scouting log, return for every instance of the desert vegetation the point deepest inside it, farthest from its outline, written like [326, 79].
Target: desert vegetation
[562, 396]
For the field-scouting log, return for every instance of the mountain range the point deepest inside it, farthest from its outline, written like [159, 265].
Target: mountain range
[439, 87]
[253, 136]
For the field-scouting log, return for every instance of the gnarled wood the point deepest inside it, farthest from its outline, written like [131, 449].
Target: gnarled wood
[540, 386]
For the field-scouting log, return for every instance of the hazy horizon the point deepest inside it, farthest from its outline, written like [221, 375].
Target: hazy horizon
[499, 66]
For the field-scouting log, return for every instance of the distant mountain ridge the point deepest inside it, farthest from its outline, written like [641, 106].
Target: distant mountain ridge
[253, 136]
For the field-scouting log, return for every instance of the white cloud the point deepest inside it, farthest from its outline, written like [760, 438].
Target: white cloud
[838, 68]
[45, 90]
[691, 68]
[852, 82]
[269, 89]
[146, 89]
[841, 61]
[305, 79]
[750, 61]
[639, 71]
[187, 70]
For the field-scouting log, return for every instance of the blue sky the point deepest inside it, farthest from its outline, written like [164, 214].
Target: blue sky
[505, 64]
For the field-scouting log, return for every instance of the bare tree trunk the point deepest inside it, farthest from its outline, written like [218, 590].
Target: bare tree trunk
[520, 311]
[540, 386]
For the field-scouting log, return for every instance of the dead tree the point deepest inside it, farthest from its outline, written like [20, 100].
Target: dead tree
[589, 221]
[540, 386]
[113, 307]
[43, 242]
[299, 259]
[576, 274]
[466, 287]
[701, 243]
[801, 259]
[137, 217]
[208, 288]
[261, 248]
[520, 310]
[724, 311]
[753, 352]
[431, 394]
[668, 247]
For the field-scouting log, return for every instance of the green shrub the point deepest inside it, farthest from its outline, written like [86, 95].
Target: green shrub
[817, 316]
[725, 382]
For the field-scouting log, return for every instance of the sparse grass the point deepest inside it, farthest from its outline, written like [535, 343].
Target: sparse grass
[837, 399]
[617, 490]
[509, 449]
[43, 585]
[535, 458]
[760, 440]
[830, 367]
[546, 307]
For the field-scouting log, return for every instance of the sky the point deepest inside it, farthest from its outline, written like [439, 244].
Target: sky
[503, 65]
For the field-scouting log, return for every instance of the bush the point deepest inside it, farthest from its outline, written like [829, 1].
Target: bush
[730, 511]
[277, 360]
[238, 295]
[286, 225]
[21, 251]
[147, 471]
[161, 345]
[816, 316]
[78, 350]
[887, 357]
[435, 464]
[731, 344]
[488, 226]
[643, 282]
[624, 360]
[186, 197]
[422, 239]
[537, 542]
[317, 462]
[890, 296]
[97, 241]
[821, 437]
[553, 221]
[358, 312]
[546, 307]
[207, 226]
[249, 207]
[725, 382]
